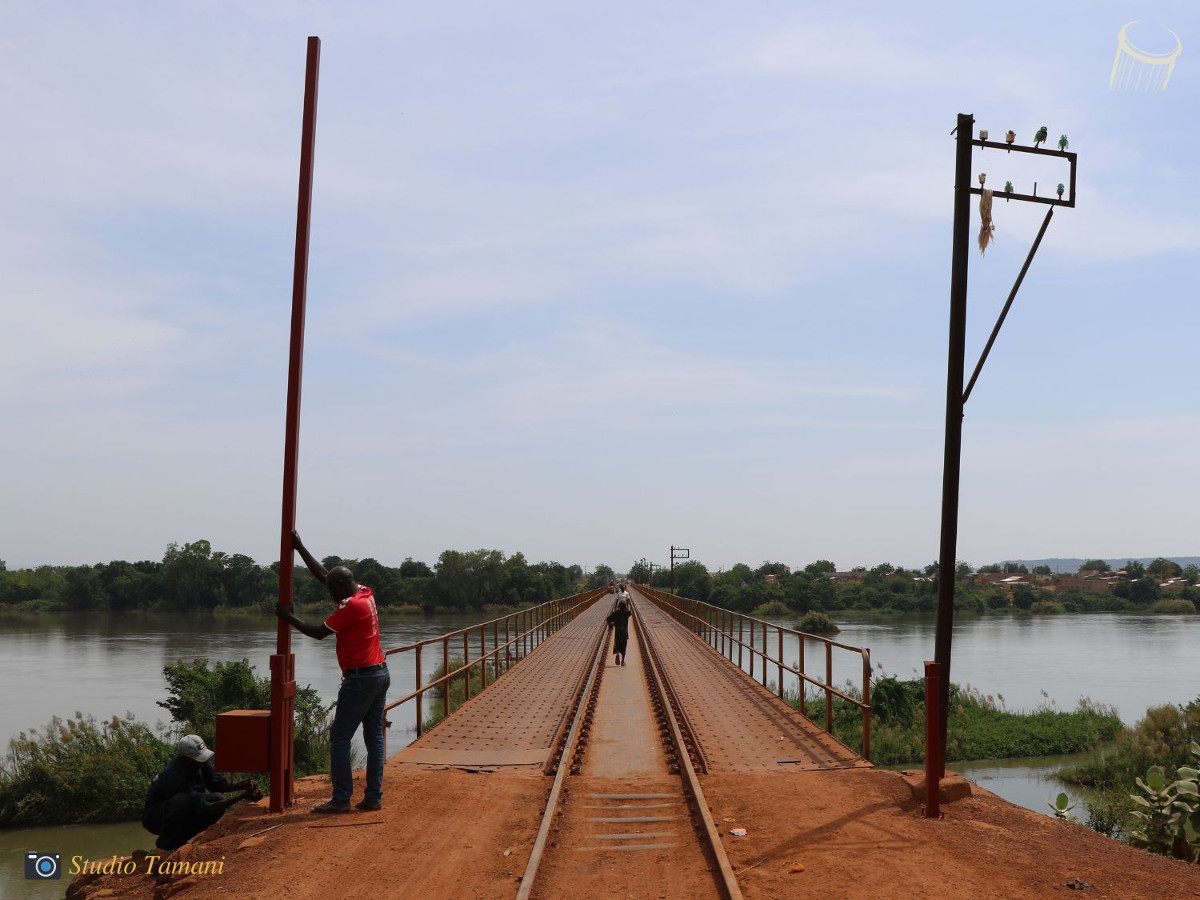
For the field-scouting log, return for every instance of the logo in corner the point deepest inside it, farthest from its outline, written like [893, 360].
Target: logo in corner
[42, 866]
[1147, 64]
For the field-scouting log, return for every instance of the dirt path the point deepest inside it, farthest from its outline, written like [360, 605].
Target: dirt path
[856, 834]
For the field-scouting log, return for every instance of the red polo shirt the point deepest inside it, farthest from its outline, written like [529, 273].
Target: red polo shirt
[356, 625]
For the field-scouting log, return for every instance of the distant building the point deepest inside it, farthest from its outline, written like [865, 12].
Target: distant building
[854, 576]
[1093, 582]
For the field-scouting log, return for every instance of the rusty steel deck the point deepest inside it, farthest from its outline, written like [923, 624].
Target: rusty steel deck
[515, 721]
[739, 725]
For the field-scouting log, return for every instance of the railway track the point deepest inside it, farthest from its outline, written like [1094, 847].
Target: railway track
[626, 812]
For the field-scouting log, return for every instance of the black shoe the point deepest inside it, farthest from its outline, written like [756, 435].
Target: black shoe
[330, 807]
[368, 805]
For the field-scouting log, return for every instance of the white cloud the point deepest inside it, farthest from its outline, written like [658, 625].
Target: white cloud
[64, 337]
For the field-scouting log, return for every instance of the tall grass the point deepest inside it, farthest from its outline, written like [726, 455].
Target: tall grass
[1160, 738]
[979, 727]
[78, 770]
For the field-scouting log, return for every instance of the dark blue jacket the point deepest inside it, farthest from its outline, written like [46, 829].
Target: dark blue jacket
[180, 776]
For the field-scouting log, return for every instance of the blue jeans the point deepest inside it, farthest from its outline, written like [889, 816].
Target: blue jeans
[361, 699]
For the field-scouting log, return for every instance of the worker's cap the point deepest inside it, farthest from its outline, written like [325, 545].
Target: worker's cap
[193, 747]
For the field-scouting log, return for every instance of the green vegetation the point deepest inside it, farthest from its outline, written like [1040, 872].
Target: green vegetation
[1167, 815]
[979, 726]
[1062, 807]
[1176, 606]
[883, 588]
[78, 771]
[816, 623]
[1138, 780]
[196, 578]
[1161, 738]
[772, 609]
[198, 693]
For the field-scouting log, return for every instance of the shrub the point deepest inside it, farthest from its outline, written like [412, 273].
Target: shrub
[79, 771]
[776, 609]
[198, 694]
[1167, 816]
[816, 623]
[979, 726]
[1108, 813]
[1047, 607]
[1174, 606]
[894, 701]
[1161, 738]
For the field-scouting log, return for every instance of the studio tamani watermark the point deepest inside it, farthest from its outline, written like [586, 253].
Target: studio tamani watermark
[48, 866]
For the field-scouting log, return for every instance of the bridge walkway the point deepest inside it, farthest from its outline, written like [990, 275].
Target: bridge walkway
[739, 724]
[515, 722]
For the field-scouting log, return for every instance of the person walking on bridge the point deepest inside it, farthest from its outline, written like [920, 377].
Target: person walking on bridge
[618, 621]
[365, 680]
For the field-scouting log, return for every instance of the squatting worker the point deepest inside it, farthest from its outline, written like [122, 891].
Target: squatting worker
[365, 681]
[186, 796]
[618, 620]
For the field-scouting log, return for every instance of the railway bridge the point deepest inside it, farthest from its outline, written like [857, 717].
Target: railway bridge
[543, 770]
[627, 750]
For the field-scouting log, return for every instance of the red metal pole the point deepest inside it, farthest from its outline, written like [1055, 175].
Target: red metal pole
[283, 663]
[420, 693]
[828, 685]
[780, 634]
[483, 657]
[933, 740]
[866, 700]
[467, 664]
[447, 682]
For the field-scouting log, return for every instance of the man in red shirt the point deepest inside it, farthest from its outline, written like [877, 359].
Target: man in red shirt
[365, 680]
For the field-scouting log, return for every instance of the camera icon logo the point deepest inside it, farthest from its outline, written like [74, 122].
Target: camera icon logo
[42, 866]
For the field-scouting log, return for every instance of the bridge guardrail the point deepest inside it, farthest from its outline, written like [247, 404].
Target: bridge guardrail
[522, 632]
[717, 626]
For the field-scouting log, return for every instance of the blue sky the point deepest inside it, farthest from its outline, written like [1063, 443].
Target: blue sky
[589, 280]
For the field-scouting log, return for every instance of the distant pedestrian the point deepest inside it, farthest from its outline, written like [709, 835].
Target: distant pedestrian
[187, 795]
[365, 680]
[618, 621]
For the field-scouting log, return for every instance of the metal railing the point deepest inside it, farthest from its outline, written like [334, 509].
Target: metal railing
[733, 634]
[512, 637]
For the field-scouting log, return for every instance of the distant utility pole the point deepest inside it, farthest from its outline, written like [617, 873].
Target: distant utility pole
[956, 397]
[650, 567]
[677, 553]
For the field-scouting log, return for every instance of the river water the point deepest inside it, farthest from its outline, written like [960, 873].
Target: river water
[108, 665]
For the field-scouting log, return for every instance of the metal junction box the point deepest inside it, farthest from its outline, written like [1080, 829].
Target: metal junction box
[243, 741]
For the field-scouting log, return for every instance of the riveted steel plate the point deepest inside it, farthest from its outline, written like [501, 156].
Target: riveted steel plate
[739, 724]
[515, 720]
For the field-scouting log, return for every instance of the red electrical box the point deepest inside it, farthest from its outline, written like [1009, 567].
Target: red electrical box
[243, 741]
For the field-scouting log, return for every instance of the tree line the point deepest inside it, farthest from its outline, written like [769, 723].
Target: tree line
[194, 577]
[813, 589]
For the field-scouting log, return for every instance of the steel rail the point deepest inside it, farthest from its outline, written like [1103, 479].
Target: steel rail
[564, 769]
[582, 697]
[723, 874]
